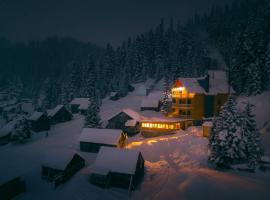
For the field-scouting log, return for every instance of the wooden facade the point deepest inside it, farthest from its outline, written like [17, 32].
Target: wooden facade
[59, 114]
[40, 124]
[60, 176]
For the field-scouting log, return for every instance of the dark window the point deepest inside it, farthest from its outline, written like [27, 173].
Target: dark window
[174, 100]
[188, 112]
[189, 101]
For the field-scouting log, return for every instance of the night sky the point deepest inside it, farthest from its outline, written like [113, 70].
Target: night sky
[97, 21]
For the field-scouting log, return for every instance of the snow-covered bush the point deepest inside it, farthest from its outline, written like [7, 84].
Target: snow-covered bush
[21, 130]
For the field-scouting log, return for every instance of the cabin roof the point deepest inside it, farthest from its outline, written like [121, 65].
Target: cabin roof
[55, 110]
[116, 160]
[35, 116]
[59, 159]
[100, 136]
[152, 100]
[82, 102]
[131, 113]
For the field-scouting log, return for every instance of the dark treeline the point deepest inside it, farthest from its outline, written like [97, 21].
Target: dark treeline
[59, 69]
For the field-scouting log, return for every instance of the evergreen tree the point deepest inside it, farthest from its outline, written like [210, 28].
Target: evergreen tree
[253, 149]
[227, 142]
[92, 119]
[165, 103]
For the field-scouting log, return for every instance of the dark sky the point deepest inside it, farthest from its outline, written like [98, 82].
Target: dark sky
[97, 21]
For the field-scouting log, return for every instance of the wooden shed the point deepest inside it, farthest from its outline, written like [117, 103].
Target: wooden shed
[152, 101]
[39, 122]
[59, 114]
[79, 105]
[116, 167]
[91, 139]
[11, 188]
[118, 120]
[59, 169]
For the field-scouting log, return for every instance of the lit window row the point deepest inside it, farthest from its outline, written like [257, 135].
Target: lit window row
[161, 125]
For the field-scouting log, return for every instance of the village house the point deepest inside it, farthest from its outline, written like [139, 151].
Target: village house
[61, 168]
[119, 119]
[198, 98]
[39, 121]
[59, 114]
[91, 139]
[79, 105]
[118, 167]
[152, 101]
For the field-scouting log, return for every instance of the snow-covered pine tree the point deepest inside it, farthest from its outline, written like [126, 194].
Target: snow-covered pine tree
[92, 119]
[165, 101]
[253, 149]
[227, 143]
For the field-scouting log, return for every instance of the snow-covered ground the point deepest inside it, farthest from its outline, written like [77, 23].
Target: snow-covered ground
[176, 165]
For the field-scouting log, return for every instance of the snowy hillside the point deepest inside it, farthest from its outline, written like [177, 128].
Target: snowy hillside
[262, 115]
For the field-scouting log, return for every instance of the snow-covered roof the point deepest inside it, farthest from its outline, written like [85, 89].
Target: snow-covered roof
[59, 160]
[82, 102]
[152, 100]
[192, 85]
[116, 160]
[35, 116]
[131, 113]
[131, 123]
[218, 82]
[53, 111]
[100, 136]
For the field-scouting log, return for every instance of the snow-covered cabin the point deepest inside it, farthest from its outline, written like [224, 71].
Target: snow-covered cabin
[79, 105]
[198, 98]
[39, 121]
[91, 139]
[59, 169]
[152, 101]
[118, 167]
[145, 88]
[118, 120]
[59, 114]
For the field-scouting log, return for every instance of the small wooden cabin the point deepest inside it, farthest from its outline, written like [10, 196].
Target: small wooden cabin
[59, 114]
[62, 168]
[39, 122]
[118, 168]
[152, 101]
[91, 139]
[79, 105]
[11, 188]
[118, 120]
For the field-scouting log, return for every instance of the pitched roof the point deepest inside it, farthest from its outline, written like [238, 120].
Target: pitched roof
[218, 83]
[82, 102]
[131, 113]
[100, 136]
[152, 100]
[35, 116]
[116, 160]
[55, 110]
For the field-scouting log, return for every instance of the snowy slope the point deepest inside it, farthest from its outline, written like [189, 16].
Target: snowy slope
[262, 115]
